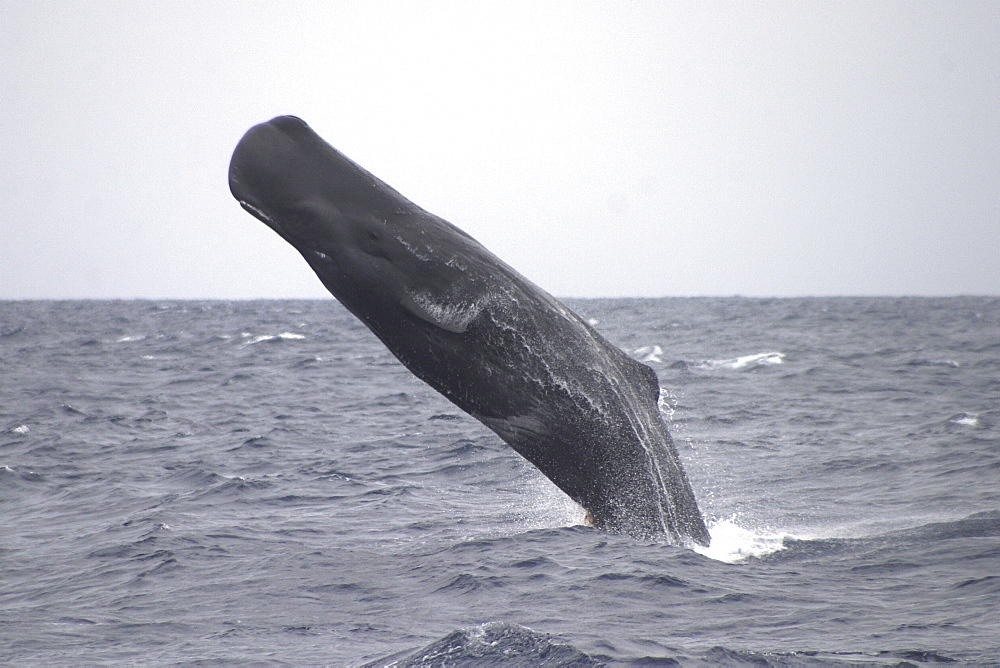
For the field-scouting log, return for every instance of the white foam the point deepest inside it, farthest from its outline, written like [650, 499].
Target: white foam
[757, 359]
[21, 429]
[649, 353]
[732, 543]
[285, 336]
[967, 419]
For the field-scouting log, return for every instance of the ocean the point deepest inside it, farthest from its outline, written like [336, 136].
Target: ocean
[233, 482]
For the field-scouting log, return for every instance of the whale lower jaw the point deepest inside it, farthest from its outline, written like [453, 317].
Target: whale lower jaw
[256, 213]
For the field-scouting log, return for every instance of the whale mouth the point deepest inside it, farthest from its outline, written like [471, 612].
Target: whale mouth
[267, 219]
[256, 213]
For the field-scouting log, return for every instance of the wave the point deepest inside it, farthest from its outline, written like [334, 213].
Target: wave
[723, 656]
[11, 332]
[491, 644]
[509, 644]
[283, 336]
[648, 353]
[746, 361]
[9, 477]
[966, 419]
[934, 362]
[732, 542]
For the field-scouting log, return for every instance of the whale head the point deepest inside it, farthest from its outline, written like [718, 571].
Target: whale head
[343, 220]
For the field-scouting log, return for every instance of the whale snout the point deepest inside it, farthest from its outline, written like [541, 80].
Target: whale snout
[283, 163]
[263, 162]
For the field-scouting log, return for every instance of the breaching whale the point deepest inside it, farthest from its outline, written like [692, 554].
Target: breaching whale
[500, 348]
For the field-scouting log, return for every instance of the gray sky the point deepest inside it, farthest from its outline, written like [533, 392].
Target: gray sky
[602, 149]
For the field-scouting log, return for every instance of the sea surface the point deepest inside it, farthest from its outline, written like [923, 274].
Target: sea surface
[215, 482]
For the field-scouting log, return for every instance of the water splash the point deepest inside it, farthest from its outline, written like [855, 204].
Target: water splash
[732, 542]
[542, 505]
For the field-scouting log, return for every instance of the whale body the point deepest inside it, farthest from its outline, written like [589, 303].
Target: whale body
[460, 319]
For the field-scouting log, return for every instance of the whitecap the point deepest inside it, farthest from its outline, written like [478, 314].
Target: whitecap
[649, 353]
[757, 359]
[732, 543]
[20, 429]
[967, 419]
[284, 336]
[131, 338]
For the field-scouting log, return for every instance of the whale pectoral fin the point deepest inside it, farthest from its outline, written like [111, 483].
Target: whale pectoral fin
[449, 319]
[516, 429]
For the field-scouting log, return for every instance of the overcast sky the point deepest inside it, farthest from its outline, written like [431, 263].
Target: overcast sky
[602, 149]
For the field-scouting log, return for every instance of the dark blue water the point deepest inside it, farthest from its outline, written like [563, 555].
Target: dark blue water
[261, 481]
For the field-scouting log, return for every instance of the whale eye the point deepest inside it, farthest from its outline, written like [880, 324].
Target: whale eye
[370, 241]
